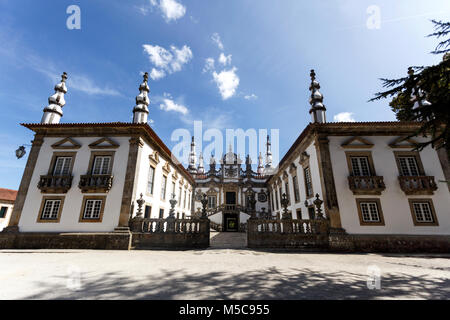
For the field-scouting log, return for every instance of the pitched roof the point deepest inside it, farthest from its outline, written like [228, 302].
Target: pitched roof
[8, 194]
[37, 126]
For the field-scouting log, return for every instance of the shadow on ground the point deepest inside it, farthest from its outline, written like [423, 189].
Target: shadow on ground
[270, 283]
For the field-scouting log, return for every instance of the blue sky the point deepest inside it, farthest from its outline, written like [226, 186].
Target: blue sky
[263, 84]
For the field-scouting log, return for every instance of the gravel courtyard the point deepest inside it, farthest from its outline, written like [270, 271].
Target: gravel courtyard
[218, 274]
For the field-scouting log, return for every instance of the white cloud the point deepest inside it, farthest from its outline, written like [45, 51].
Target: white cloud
[251, 97]
[216, 39]
[344, 117]
[168, 104]
[225, 60]
[209, 65]
[167, 61]
[79, 82]
[227, 81]
[156, 74]
[170, 9]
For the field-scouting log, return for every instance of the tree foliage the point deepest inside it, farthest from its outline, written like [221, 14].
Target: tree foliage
[424, 95]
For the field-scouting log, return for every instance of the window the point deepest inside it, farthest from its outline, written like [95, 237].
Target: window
[148, 212]
[189, 202]
[151, 179]
[173, 190]
[179, 196]
[163, 187]
[296, 189]
[299, 213]
[408, 166]
[311, 213]
[212, 202]
[50, 210]
[369, 211]
[92, 210]
[161, 213]
[101, 165]
[423, 213]
[308, 183]
[360, 166]
[3, 212]
[62, 163]
[184, 201]
[409, 163]
[286, 187]
[62, 166]
[360, 163]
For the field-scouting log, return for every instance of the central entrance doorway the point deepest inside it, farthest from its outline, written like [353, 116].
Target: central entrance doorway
[230, 216]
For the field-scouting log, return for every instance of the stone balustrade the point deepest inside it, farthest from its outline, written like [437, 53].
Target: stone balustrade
[366, 185]
[55, 184]
[417, 185]
[96, 183]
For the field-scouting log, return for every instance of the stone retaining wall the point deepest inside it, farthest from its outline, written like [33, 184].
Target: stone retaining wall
[100, 241]
[170, 240]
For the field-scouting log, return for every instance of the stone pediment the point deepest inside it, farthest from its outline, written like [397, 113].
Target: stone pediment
[357, 143]
[403, 142]
[104, 143]
[66, 143]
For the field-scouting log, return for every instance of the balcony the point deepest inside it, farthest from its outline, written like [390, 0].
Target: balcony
[366, 185]
[101, 183]
[417, 185]
[55, 184]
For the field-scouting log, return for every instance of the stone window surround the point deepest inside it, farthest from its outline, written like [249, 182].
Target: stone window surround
[368, 154]
[435, 222]
[414, 154]
[61, 154]
[308, 196]
[44, 199]
[101, 153]
[83, 207]
[147, 193]
[379, 208]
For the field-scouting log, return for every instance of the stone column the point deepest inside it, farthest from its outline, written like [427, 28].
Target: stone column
[129, 187]
[25, 184]
[327, 181]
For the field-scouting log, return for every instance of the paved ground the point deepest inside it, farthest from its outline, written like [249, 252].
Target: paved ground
[218, 274]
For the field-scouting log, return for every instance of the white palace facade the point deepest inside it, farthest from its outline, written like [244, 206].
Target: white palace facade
[365, 178]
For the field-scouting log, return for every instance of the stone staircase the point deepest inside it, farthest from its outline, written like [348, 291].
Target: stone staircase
[228, 240]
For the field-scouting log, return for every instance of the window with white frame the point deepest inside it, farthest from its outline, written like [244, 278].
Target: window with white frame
[184, 201]
[423, 212]
[408, 166]
[360, 166]
[296, 189]
[163, 187]
[151, 179]
[180, 189]
[62, 166]
[173, 190]
[308, 183]
[212, 200]
[101, 165]
[51, 209]
[370, 211]
[92, 209]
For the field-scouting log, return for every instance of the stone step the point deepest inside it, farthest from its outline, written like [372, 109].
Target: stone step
[225, 240]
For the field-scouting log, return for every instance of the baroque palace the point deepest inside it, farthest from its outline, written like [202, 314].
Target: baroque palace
[340, 187]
